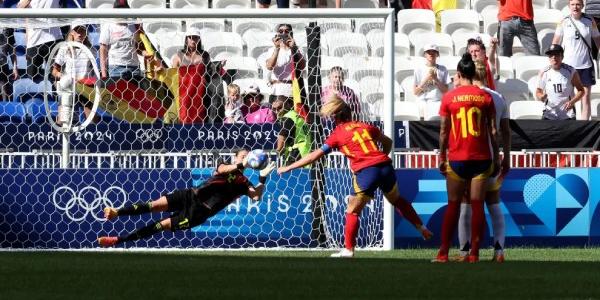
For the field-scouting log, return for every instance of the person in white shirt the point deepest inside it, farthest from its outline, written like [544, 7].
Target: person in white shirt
[40, 41]
[281, 58]
[119, 46]
[431, 80]
[72, 64]
[556, 85]
[576, 32]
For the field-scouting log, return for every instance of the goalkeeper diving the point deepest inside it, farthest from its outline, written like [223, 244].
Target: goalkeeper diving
[192, 207]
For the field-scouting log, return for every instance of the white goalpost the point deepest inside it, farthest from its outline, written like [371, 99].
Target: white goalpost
[164, 124]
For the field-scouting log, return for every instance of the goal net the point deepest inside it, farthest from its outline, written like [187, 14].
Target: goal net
[124, 106]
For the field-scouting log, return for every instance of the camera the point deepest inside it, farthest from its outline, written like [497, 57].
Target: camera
[283, 36]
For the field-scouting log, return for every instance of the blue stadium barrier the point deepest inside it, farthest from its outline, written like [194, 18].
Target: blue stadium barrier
[36, 110]
[12, 112]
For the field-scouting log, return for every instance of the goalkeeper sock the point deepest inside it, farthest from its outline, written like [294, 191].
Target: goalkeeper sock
[351, 230]
[477, 225]
[144, 232]
[448, 226]
[464, 226]
[497, 224]
[135, 209]
[408, 212]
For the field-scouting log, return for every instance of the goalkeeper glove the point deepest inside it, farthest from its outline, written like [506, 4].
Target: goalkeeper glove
[265, 172]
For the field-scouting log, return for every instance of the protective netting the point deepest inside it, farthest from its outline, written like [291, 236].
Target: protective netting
[153, 104]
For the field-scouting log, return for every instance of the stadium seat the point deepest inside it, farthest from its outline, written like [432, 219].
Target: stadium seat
[513, 89]
[407, 85]
[406, 111]
[189, 4]
[405, 66]
[265, 88]
[490, 21]
[460, 41]
[346, 44]
[207, 25]
[532, 84]
[168, 51]
[459, 20]
[240, 26]
[99, 4]
[528, 110]
[12, 112]
[328, 62]
[450, 62]
[432, 111]
[156, 4]
[246, 67]
[94, 38]
[506, 69]
[20, 39]
[337, 25]
[359, 67]
[231, 4]
[365, 26]
[375, 39]
[402, 45]
[22, 87]
[222, 45]
[165, 26]
[545, 37]
[257, 43]
[415, 20]
[480, 5]
[442, 40]
[360, 4]
[528, 66]
[540, 4]
[546, 18]
[559, 4]
[372, 89]
[518, 49]
[36, 110]
[463, 4]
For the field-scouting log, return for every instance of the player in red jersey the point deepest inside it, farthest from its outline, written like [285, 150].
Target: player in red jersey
[372, 168]
[192, 207]
[467, 127]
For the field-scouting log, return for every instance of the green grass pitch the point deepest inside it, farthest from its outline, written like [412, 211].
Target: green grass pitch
[407, 274]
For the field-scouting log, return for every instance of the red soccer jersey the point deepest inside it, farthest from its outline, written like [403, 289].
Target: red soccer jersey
[466, 107]
[357, 141]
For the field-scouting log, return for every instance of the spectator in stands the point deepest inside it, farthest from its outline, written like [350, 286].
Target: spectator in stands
[267, 3]
[336, 87]
[119, 46]
[515, 18]
[252, 108]
[283, 58]
[477, 50]
[233, 105]
[72, 64]
[293, 140]
[7, 49]
[576, 32]
[592, 9]
[555, 87]
[431, 80]
[39, 40]
[192, 53]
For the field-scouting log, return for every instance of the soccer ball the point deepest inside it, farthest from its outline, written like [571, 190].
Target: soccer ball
[257, 159]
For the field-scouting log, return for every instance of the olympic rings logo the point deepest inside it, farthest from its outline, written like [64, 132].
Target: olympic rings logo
[77, 206]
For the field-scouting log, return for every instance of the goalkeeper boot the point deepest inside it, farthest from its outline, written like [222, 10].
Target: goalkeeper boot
[472, 258]
[110, 213]
[108, 241]
[345, 253]
[498, 256]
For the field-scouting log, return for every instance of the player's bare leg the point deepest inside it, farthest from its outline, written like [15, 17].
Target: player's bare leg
[158, 205]
[147, 231]
[408, 212]
[355, 206]
[478, 190]
[456, 190]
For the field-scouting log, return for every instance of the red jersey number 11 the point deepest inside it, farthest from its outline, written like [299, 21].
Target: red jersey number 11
[363, 139]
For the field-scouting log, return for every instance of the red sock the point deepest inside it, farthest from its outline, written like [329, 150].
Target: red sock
[477, 223]
[408, 212]
[449, 226]
[351, 230]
